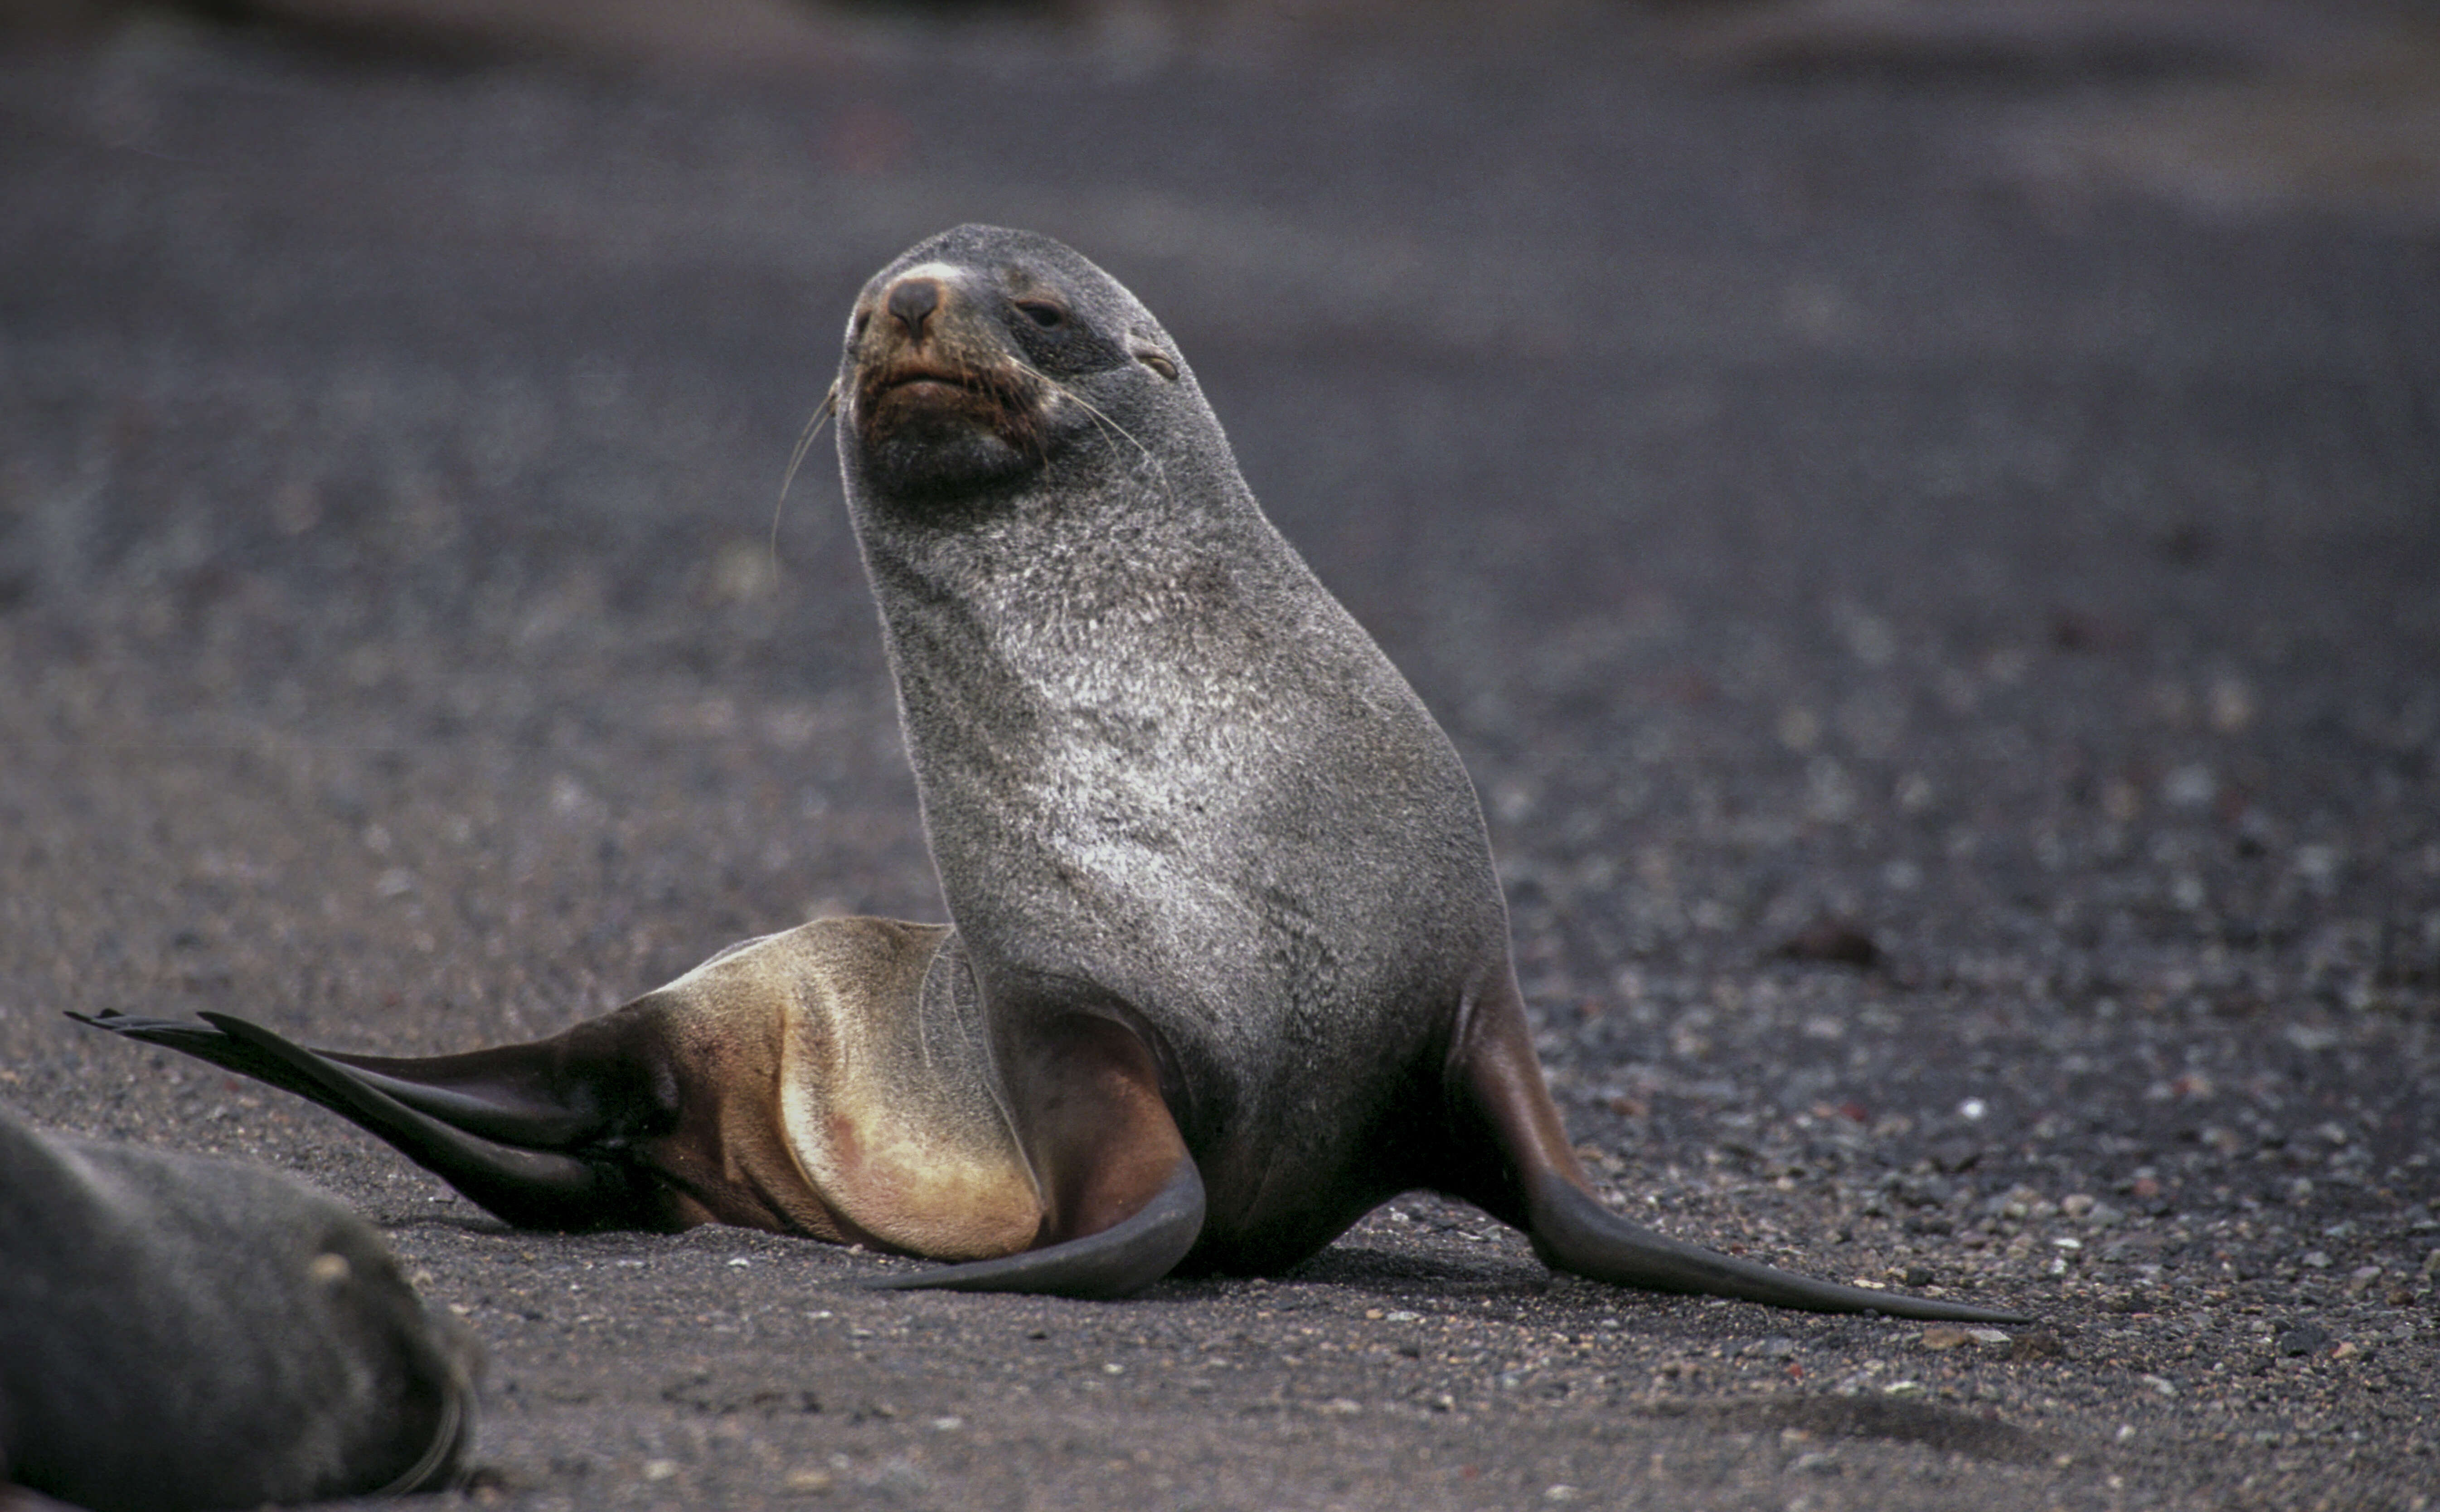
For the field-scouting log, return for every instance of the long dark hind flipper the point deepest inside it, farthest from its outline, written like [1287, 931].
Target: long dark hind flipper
[1532, 1179]
[550, 1094]
[516, 1153]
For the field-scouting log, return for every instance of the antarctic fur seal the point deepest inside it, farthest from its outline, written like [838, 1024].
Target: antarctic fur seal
[178, 1332]
[1230, 962]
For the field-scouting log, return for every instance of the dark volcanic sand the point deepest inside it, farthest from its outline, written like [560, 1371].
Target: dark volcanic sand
[1796, 509]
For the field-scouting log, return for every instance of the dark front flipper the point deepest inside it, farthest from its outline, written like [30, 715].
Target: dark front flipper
[543, 1187]
[1122, 1199]
[1572, 1231]
[1527, 1175]
[1123, 1258]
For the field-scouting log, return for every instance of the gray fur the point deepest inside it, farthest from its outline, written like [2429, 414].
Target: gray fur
[1165, 774]
[178, 1332]
[1230, 961]
[1168, 781]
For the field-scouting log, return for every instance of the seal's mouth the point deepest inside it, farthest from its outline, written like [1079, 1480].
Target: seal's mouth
[939, 405]
[937, 391]
[922, 376]
[902, 387]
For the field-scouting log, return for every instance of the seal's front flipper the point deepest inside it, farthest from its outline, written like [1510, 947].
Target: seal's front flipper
[1122, 1199]
[1120, 1260]
[485, 1122]
[1572, 1231]
[1528, 1176]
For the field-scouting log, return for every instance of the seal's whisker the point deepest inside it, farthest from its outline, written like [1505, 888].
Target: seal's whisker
[1095, 411]
[822, 412]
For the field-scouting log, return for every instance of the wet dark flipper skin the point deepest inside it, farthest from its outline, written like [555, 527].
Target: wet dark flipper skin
[1572, 1231]
[1117, 1262]
[208, 1044]
[1535, 1182]
[551, 1095]
[534, 1188]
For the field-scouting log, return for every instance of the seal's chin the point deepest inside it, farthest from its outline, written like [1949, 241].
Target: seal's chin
[932, 430]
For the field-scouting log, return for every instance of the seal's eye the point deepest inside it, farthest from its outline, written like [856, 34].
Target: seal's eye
[1043, 313]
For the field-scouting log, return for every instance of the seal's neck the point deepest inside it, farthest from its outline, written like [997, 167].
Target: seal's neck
[1072, 561]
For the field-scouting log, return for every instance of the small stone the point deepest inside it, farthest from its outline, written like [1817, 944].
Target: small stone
[1834, 941]
[814, 1481]
[1945, 1336]
[2303, 1339]
[2040, 1345]
[661, 1470]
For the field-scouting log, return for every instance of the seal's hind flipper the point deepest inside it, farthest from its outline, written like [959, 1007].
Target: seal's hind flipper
[511, 1153]
[204, 1042]
[540, 1096]
[1121, 1259]
[1532, 1179]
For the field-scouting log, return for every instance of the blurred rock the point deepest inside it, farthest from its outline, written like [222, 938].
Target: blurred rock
[1834, 941]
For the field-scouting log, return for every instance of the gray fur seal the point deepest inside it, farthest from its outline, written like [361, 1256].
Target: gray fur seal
[180, 1333]
[1230, 962]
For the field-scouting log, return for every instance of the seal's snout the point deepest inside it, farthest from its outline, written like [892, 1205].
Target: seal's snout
[938, 396]
[912, 303]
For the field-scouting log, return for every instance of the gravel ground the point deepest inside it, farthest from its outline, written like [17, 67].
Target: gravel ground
[1950, 651]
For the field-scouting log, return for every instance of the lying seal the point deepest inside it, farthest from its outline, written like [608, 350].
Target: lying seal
[1231, 963]
[185, 1333]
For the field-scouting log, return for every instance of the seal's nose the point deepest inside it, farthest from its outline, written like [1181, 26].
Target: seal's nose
[912, 303]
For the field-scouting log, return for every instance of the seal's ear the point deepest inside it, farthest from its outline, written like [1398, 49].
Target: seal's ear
[1153, 357]
[1123, 1198]
[1519, 1168]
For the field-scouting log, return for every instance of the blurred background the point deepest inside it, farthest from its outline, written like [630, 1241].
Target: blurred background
[1923, 517]
[1789, 377]
[1960, 467]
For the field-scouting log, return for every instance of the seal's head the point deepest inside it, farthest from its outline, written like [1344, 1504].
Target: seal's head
[978, 355]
